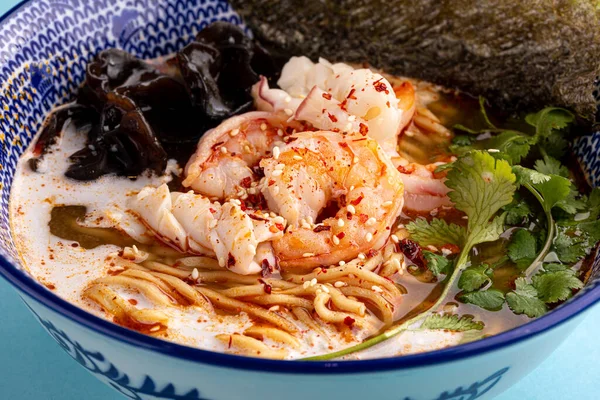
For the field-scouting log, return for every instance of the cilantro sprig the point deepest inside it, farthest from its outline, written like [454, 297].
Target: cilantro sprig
[480, 186]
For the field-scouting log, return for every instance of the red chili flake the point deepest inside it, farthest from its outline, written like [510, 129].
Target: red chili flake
[267, 288]
[271, 182]
[343, 144]
[349, 321]
[274, 229]
[280, 226]
[363, 218]
[243, 205]
[246, 182]
[412, 251]
[332, 117]
[289, 130]
[230, 341]
[380, 86]
[371, 253]
[349, 216]
[230, 260]
[387, 103]
[341, 235]
[132, 301]
[322, 228]
[327, 96]
[363, 129]
[351, 94]
[74, 244]
[343, 105]
[212, 210]
[267, 269]
[357, 201]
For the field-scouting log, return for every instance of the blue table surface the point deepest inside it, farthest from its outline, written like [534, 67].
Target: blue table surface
[34, 367]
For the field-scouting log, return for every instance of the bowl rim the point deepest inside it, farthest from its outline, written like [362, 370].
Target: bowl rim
[29, 286]
[33, 289]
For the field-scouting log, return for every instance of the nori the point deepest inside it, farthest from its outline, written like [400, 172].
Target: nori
[520, 55]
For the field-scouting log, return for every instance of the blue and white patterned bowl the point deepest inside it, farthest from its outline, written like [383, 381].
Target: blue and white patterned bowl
[44, 46]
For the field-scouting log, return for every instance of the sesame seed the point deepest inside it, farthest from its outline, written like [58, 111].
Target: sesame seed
[213, 223]
[395, 239]
[263, 127]
[234, 132]
[252, 191]
[308, 254]
[352, 118]
[280, 166]
[306, 284]
[369, 237]
[371, 221]
[434, 212]
[287, 99]
[387, 203]
[340, 284]
[453, 158]
[409, 133]
[276, 152]
[310, 220]
[297, 157]
[313, 281]
[349, 126]
[336, 240]
[277, 173]
[351, 209]
[361, 256]
[493, 151]
[275, 190]
[221, 262]
[446, 252]
[351, 188]
[251, 248]
[288, 112]
[240, 194]
[400, 226]
[195, 274]
[342, 263]
[224, 150]
[324, 288]
[279, 219]
[274, 308]
[155, 328]
[280, 132]
[340, 222]
[305, 226]
[377, 289]
[432, 248]
[272, 214]
[236, 201]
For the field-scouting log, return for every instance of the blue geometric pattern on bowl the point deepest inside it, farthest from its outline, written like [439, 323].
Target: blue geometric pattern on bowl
[44, 48]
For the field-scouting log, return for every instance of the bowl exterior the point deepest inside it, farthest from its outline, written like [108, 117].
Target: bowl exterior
[139, 373]
[44, 48]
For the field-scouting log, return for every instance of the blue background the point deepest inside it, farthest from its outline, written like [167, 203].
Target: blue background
[34, 367]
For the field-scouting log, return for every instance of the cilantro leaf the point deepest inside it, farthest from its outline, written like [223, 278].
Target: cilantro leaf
[524, 300]
[551, 166]
[570, 249]
[558, 285]
[481, 185]
[513, 146]
[491, 299]
[549, 119]
[529, 176]
[518, 211]
[474, 277]
[484, 112]
[436, 263]
[435, 233]
[522, 248]
[451, 322]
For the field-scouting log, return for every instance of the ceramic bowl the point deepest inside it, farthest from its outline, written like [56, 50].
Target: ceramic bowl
[44, 47]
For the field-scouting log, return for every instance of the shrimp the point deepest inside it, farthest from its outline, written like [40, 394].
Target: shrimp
[318, 170]
[423, 191]
[223, 163]
[362, 95]
[239, 239]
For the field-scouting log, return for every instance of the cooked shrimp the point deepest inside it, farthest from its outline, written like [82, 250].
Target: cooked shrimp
[363, 94]
[192, 223]
[223, 162]
[316, 170]
[423, 192]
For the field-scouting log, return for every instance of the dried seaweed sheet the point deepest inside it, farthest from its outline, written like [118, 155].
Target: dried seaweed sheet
[518, 54]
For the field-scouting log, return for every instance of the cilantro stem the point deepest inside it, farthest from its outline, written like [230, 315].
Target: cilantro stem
[551, 227]
[461, 264]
